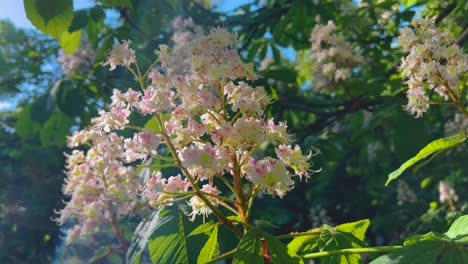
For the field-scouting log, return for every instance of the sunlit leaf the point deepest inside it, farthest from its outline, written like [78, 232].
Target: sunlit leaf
[432, 147]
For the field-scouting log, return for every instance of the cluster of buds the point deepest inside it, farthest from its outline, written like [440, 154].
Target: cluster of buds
[209, 125]
[333, 56]
[435, 62]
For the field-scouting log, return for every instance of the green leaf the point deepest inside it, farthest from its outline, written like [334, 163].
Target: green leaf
[99, 255]
[429, 236]
[434, 146]
[167, 243]
[69, 98]
[427, 252]
[458, 231]
[211, 248]
[249, 249]
[142, 233]
[55, 129]
[153, 123]
[117, 3]
[276, 54]
[25, 126]
[264, 223]
[283, 74]
[332, 239]
[203, 228]
[80, 20]
[70, 41]
[358, 228]
[304, 244]
[96, 13]
[433, 247]
[52, 17]
[42, 108]
[279, 251]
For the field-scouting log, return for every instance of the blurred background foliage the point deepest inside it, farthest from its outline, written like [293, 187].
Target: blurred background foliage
[359, 125]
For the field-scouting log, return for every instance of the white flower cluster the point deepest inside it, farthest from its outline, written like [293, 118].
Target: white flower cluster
[404, 193]
[446, 193]
[122, 55]
[434, 62]
[334, 57]
[209, 125]
[78, 62]
[102, 188]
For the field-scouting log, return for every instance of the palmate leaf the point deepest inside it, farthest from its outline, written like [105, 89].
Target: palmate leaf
[433, 248]
[304, 244]
[211, 248]
[348, 235]
[326, 238]
[434, 146]
[249, 249]
[427, 252]
[204, 228]
[331, 239]
[165, 233]
[167, 243]
[142, 233]
[458, 231]
[279, 251]
[52, 17]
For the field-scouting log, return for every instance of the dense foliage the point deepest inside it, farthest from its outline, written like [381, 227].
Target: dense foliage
[153, 89]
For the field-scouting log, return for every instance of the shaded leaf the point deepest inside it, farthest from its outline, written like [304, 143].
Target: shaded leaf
[249, 249]
[69, 98]
[117, 3]
[25, 126]
[99, 254]
[279, 251]
[283, 74]
[80, 20]
[42, 108]
[427, 252]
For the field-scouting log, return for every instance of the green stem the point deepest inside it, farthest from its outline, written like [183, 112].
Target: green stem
[348, 251]
[149, 68]
[224, 180]
[293, 235]
[228, 207]
[192, 181]
[162, 157]
[234, 118]
[223, 256]
[138, 76]
[173, 201]
[250, 202]
[161, 166]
